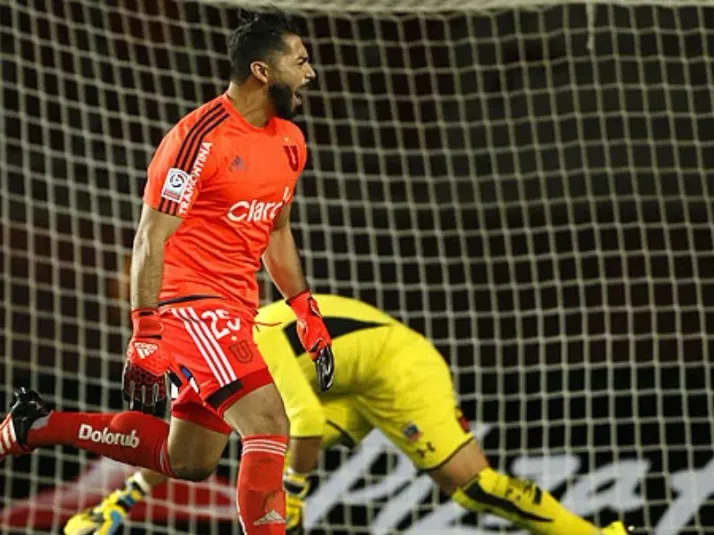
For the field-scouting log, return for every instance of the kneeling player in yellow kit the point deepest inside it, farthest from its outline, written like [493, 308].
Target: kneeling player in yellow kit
[389, 377]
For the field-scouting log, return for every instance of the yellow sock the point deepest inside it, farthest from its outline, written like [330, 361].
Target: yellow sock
[521, 502]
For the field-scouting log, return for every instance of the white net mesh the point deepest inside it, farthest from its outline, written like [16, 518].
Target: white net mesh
[530, 187]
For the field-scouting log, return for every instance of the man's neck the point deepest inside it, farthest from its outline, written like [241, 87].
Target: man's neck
[252, 103]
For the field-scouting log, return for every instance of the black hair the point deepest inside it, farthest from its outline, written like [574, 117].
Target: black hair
[257, 37]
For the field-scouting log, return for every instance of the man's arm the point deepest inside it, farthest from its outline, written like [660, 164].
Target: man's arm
[143, 383]
[147, 263]
[282, 259]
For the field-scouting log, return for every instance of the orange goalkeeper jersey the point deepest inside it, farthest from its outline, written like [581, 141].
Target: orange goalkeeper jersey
[228, 180]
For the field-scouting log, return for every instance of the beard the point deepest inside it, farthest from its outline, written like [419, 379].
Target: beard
[282, 97]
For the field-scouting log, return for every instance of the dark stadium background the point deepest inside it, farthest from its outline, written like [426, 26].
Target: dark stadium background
[578, 209]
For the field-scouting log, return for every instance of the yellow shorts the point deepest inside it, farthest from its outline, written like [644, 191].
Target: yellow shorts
[410, 399]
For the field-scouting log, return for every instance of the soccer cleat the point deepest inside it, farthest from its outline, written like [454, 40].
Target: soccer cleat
[27, 407]
[616, 528]
[107, 517]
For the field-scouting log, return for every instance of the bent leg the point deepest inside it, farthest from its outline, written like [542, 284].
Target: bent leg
[260, 412]
[471, 483]
[461, 467]
[413, 410]
[197, 438]
[194, 451]
[221, 362]
[260, 419]
[185, 449]
[129, 437]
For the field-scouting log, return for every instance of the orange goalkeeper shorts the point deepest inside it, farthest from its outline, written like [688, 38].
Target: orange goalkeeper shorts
[211, 343]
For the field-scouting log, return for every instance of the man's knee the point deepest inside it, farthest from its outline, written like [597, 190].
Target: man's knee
[464, 465]
[194, 451]
[192, 469]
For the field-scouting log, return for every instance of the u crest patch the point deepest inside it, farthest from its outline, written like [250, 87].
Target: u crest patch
[292, 153]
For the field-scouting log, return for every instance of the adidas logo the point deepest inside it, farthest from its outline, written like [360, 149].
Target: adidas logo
[271, 517]
[144, 349]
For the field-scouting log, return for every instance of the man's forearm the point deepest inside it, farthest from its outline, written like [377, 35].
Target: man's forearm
[282, 261]
[147, 270]
[304, 454]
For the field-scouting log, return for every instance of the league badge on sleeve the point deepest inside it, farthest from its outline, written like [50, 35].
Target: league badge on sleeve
[175, 184]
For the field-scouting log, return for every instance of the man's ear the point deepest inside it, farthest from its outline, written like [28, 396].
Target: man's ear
[259, 69]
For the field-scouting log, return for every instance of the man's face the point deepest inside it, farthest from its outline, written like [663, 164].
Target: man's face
[292, 73]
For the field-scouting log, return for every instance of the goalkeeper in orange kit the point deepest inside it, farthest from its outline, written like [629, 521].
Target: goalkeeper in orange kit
[387, 377]
[205, 227]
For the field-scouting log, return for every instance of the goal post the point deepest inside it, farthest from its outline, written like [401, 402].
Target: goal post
[529, 184]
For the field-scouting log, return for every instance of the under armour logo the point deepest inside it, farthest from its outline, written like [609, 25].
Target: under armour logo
[291, 151]
[429, 449]
[144, 350]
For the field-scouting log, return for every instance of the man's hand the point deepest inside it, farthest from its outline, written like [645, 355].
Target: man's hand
[143, 380]
[315, 338]
[296, 489]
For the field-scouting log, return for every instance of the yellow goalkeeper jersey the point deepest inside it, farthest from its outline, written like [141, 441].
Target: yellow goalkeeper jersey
[386, 376]
[360, 334]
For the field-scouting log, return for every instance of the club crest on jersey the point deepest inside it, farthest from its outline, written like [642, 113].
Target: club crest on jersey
[236, 165]
[175, 184]
[411, 432]
[256, 211]
[292, 153]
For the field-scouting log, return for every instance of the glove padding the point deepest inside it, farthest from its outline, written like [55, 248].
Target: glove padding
[143, 379]
[314, 336]
[325, 368]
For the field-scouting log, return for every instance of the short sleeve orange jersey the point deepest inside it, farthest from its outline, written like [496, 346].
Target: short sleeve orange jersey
[228, 180]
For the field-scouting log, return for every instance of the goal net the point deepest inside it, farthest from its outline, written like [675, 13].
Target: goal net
[528, 184]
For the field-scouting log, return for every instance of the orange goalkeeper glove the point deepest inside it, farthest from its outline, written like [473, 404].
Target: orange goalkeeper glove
[143, 380]
[315, 338]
